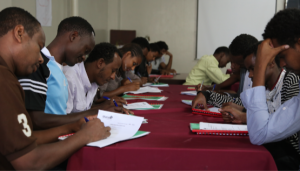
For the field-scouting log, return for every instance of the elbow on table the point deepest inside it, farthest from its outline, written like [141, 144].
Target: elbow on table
[255, 139]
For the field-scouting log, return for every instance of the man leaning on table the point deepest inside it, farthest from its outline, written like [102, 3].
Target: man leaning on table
[282, 38]
[208, 68]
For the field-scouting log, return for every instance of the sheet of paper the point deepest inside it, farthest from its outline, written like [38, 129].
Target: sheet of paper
[214, 109]
[188, 102]
[154, 107]
[190, 93]
[159, 85]
[44, 12]
[122, 127]
[145, 90]
[138, 105]
[147, 84]
[226, 127]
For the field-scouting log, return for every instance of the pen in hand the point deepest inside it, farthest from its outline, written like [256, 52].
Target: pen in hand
[86, 119]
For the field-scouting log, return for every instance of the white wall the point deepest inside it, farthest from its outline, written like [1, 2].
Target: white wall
[172, 21]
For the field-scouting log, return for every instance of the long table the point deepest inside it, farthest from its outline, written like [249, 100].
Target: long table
[177, 79]
[172, 146]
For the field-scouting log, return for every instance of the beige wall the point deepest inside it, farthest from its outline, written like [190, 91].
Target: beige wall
[173, 21]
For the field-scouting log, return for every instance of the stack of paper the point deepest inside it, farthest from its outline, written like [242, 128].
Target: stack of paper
[133, 97]
[224, 127]
[145, 90]
[156, 84]
[154, 107]
[188, 102]
[190, 93]
[138, 105]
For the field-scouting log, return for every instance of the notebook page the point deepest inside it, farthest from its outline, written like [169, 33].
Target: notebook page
[214, 109]
[225, 127]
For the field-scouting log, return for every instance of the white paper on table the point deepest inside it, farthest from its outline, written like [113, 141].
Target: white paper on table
[138, 105]
[122, 127]
[147, 84]
[44, 12]
[190, 93]
[159, 85]
[214, 109]
[188, 102]
[225, 127]
[145, 90]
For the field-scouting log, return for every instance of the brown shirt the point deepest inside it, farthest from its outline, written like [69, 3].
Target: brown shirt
[15, 123]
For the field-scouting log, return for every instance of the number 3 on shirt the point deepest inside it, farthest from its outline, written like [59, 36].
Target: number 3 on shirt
[23, 120]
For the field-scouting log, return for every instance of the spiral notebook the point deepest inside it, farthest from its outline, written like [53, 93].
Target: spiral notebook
[204, 128]
[214, 112]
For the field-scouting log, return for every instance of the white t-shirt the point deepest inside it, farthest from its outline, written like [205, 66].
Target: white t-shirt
[158, 62]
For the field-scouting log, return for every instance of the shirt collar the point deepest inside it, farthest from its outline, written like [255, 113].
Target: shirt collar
[47, 53]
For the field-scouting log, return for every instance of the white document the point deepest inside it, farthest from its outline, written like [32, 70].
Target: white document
[188, 102]
[190, 93]
[145, 90]
[44, 12]
[214, 109]
[225, 127]
[138, 105]
[123, 127]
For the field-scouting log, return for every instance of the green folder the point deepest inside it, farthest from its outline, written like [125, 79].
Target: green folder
[195, 126]
[128, 97]
[155, 107]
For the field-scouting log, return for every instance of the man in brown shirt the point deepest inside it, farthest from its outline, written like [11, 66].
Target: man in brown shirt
[21, 39]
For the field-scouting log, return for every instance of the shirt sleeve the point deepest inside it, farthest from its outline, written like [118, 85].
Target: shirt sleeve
[217, 99]
[15, 123]
[215, 74]
[263, 127]
[71, 91]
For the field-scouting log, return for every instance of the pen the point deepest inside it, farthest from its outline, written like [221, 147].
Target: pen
[214, 87]
[201, 85]
[129, 79]
[156, 80]
[106, 98]
[139, 74]
[115, 103]
[86, 119]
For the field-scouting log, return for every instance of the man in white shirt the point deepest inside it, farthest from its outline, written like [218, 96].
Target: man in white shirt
[85, 78]
[159, 65]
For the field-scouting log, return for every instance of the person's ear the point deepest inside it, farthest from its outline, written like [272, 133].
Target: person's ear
[100, 63]
[19, 33]
[73, 35]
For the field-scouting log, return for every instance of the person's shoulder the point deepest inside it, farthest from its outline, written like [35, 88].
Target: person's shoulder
[6, 75]
[291, 78]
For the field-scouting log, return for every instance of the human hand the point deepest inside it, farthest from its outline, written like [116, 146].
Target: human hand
[134, 86]
[236, 106]
[199, 100]
[95, 130]
[164, 72]
[234, 115]
[151, 79]
[144, 80]
[266, 52]
[149, 68]
[76, 126]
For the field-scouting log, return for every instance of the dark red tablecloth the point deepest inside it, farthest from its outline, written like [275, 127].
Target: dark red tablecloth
[172, 146]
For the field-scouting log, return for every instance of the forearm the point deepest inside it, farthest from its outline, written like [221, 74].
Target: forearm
[50, 155]
[230, 81]
[259, 75]
[217, 99]
[42, 120]
[115, 92]
[169, 65]
[50, 135]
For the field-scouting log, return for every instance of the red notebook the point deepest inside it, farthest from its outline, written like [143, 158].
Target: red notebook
[195, 127]
[207, 113]
[162, 76]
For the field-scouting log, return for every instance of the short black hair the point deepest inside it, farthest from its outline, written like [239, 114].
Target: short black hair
[162, 45]
[253, 49]
[143, 42]
[154, 47]
[103, 50]
[223, 49]
[75, 23]
[284, 27]
[135, 50]
[13, 16]
[241, 43]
